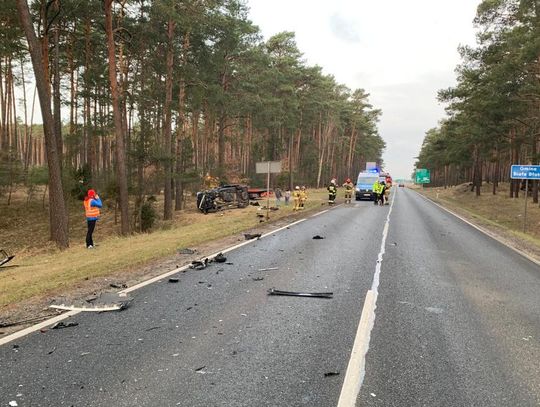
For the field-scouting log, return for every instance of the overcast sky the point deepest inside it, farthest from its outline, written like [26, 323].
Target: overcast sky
[401, 52]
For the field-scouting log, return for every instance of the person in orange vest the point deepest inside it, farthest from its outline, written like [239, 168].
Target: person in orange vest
[92, 203]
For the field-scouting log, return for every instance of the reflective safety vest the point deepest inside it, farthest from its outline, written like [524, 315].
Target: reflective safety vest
[90, 211]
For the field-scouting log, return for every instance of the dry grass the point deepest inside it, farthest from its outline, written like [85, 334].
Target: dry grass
[45, 270]
[499, 213]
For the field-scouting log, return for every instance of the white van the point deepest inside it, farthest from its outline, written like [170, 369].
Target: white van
[364, 185]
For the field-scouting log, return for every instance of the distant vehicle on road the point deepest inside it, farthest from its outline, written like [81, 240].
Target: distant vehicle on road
[364, 185]
[401, 185]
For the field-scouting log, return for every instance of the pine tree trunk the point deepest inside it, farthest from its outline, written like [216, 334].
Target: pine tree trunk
[57, 208]
[121, 176]
[167, 130]
[56, 88]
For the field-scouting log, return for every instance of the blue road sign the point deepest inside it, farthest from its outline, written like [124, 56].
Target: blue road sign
[525, 172]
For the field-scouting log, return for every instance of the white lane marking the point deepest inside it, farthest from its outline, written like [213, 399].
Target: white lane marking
[59, 318]
[357, 363]
[356, 367]
[484, 231]
[320, 213]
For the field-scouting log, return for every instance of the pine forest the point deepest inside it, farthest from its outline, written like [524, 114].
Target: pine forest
[141, 98]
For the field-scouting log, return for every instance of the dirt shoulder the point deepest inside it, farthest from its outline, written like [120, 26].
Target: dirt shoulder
[498, 215]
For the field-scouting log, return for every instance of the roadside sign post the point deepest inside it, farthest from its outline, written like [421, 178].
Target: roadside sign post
[268, 167]
[525, 172]
[525, 210]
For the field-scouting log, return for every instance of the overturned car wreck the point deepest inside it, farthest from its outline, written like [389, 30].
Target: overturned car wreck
[224, 197]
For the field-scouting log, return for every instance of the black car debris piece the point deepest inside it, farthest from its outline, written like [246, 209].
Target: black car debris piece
[199, 264]
[273, 291]
[250, 236]
[220, 258]
[62, 325]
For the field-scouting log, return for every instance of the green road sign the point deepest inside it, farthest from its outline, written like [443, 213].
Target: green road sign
[422, 176]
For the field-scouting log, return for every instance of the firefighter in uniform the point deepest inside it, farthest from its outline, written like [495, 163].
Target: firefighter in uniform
[296, 198]
[210, 182]
[303, 197]
[387, 190]
[349, 186]
[376, 191]
[382, 192]
[332, 192]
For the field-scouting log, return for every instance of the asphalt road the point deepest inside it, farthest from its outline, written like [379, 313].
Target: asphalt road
[457, 323]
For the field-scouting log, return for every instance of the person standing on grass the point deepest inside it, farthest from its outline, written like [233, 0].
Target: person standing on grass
[278, 194]
[92, 203]
[287, 196]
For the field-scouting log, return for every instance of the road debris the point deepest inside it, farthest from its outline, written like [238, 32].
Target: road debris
[220, 258]
[269, 269]
[13, 403]
[51, 351]
[5, 257]
[62, 325]
[250, 236]
[186, 250]
[200, 370]
[199, 264]
[174, 280]
[105, 302]
[25, 321]
[328, 374]
[317, 237]
[257, 278]
[273, 291]
[255, 204]
[118, 285]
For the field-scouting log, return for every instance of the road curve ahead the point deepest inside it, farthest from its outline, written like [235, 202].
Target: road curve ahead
[456, 323]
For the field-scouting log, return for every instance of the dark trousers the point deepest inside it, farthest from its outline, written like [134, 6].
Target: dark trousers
[91, 227]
